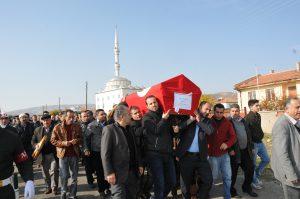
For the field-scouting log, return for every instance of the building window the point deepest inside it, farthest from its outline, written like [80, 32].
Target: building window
[270, 94]
[292, 91]
[251, 95]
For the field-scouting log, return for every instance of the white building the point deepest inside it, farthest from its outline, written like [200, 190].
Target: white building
[116, 88]
[268, 87]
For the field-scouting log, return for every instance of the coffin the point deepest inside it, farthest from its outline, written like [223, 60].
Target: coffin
[179, 94]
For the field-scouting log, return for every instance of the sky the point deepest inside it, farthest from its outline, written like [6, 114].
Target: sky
[49, 48]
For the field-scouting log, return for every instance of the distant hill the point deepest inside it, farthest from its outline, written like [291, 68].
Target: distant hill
[39, 110]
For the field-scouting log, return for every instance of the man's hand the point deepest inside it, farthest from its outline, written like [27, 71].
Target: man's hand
[177, 159]
[111, 179]
[295, 182]
[73, 142]
[87, 153]
[224, 146]
[176, 129]
[141, 170]
[166, 115]
[198, 117]
[37, 146]
[232, 153]
[192, 118]
[68, 143]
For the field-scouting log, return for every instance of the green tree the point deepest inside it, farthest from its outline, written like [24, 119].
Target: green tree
[208, 98]
[54, 112]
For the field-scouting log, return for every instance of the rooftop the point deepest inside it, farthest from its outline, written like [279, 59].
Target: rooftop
[271, 78]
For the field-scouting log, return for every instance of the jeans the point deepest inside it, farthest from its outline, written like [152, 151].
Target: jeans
[221, 165]
[261, 151]
[163, 171]
[68, 165]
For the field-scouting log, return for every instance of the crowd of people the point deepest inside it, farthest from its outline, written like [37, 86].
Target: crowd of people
[151, 155]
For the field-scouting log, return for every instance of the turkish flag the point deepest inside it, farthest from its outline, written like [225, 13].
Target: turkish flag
[179, 94]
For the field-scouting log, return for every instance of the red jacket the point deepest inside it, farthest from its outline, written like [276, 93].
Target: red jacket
[224, 133]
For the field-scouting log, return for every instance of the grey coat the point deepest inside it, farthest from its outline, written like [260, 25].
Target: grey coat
[115, 153]
[285, 159]
[92, 138]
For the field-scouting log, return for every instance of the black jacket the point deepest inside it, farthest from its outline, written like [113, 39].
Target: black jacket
[137, 130]
[158, 133]
[253, 121]
[11, 128]
[11, 150]
[187, 134]
[38, 135]
[26, 136]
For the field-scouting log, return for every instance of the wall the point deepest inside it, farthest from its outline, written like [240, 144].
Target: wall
[260, 94]
[268, 119]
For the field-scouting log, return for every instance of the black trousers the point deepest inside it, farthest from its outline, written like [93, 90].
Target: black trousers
[88, 165]
[97, 166]
[7, 192]
[247, 167]
[191, 166]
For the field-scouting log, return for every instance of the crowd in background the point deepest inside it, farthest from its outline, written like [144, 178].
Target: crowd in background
[147, 156]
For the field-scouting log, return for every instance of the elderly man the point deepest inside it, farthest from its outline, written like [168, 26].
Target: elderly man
[25, 131]
[67, 136]
[92, 146]
[47, 158]
[119, 156]
[285, 159]
[5, 123]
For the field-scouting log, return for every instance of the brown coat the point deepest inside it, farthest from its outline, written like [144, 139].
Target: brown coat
[59, 138]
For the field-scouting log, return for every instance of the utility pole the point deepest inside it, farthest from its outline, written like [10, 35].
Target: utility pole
[86, 95]
[59, 103]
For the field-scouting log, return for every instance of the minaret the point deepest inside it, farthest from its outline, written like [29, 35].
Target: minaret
[117, 52]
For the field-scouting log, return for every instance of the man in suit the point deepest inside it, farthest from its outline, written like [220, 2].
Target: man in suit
[92, 146]
[285, 159]
[25, 131]
[48, 158]
[192, 155]
[119, 156]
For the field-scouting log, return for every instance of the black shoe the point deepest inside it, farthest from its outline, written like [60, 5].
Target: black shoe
[250, 193]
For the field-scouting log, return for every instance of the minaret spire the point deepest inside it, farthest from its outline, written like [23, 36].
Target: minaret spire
[116, 52]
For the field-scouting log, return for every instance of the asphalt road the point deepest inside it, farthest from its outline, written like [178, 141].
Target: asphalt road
[271, 188]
